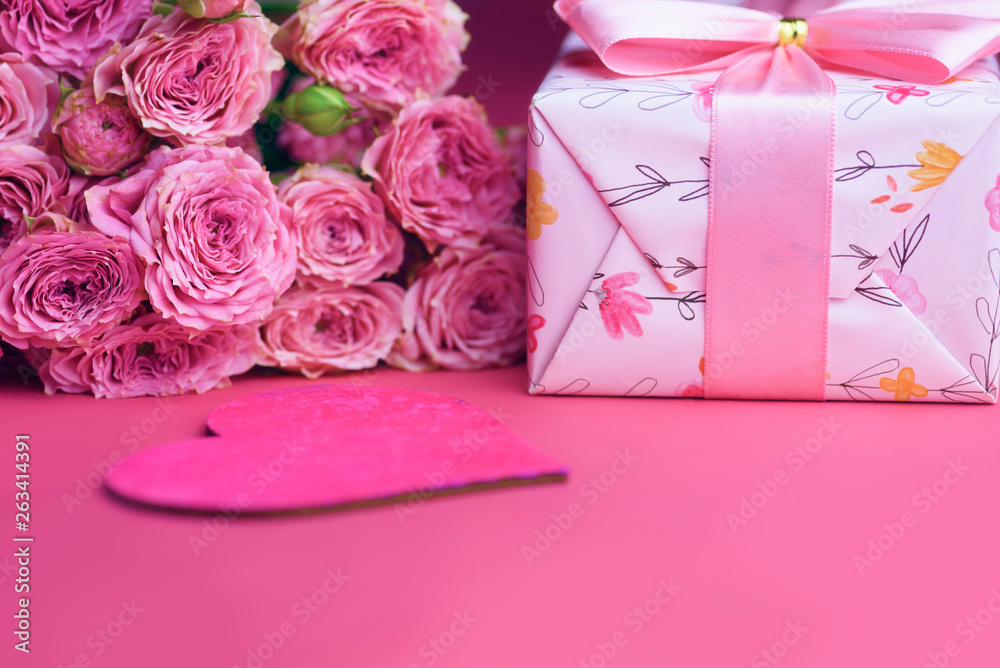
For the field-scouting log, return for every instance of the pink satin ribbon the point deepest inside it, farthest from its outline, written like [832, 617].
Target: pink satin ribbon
[770, 207]
[771, 176]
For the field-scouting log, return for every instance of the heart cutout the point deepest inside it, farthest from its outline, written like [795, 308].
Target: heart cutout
[332, 446]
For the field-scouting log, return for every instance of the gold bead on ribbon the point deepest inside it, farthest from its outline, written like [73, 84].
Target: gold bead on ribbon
[793, 31]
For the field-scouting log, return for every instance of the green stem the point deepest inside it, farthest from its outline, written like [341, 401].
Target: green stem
[64, 89]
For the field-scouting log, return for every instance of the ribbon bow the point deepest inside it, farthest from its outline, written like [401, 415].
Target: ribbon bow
[773, 131]
[923, 41]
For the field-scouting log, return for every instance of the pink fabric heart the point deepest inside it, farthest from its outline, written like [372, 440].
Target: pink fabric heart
[322, 446]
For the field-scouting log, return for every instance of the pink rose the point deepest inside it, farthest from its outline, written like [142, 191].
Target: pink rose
[218, 245]
[344, 236]
[345, 147]
[31, 182]
[70, 35]
[214, 9]
[384, 52]
[152, 356]
[59, 288]
[319, 328]
[29, 95]
[442, 172]
[466, 308]
[191, 81]
[99, 138]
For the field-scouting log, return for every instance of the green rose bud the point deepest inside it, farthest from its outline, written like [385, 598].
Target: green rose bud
[322, 110]
[195, 8]
[216, 11]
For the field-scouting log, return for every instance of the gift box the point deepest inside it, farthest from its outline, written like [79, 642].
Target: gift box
[622, 195]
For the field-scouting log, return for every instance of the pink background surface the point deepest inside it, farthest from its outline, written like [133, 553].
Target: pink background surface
[664, 517]
[416, 581]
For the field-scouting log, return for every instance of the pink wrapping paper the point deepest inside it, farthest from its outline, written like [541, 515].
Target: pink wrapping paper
[617, 193]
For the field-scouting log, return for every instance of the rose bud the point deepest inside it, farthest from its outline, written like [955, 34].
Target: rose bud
[99, 138]
[322, 110]
[213, 9]
[345, 147]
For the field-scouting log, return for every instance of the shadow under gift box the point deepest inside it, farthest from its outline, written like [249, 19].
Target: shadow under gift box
[618, 218]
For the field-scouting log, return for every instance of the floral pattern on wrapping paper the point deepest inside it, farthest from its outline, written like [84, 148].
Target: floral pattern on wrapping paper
[993, 205]
[985, 367]
[694, 389]
[619, 307]
[894, 189]
[934, 165]
[904, 386]
[857, 387]
[905, 289]
[539, 212]
[535, 323]
[898, 94]
[703, 99]
[937, 163]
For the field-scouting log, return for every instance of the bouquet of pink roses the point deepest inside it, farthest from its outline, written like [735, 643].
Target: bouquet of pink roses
[146, 249]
